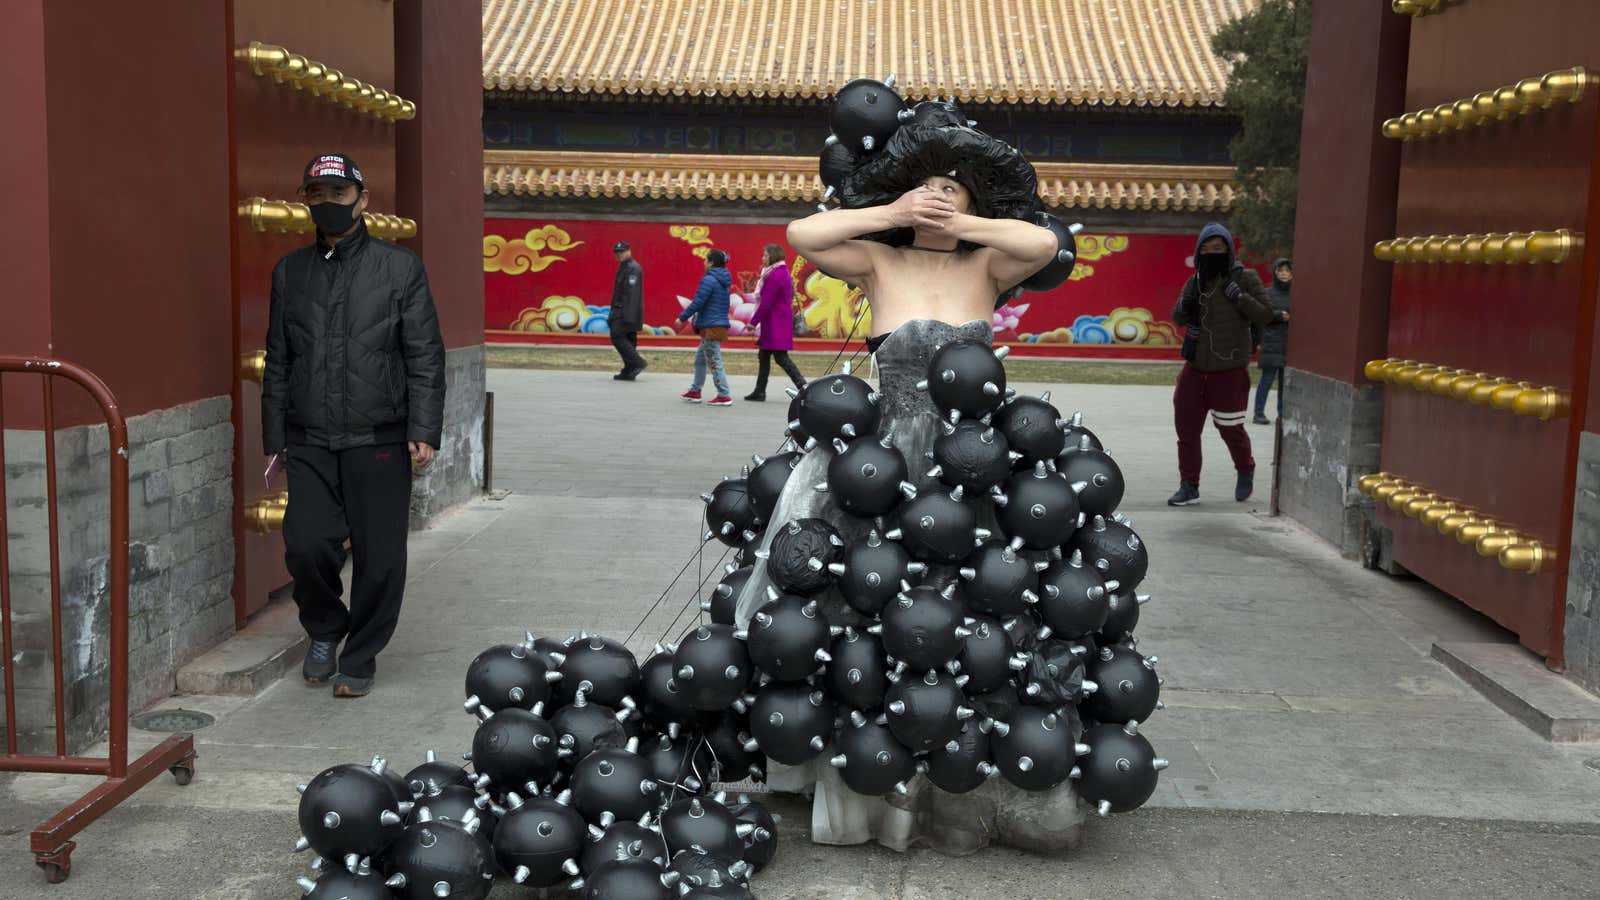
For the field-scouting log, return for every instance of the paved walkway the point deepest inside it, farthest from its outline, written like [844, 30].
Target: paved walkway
[1316, 749]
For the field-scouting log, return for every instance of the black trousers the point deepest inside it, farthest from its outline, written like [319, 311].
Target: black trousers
[364, 495]
[627, 344]
[764, 368]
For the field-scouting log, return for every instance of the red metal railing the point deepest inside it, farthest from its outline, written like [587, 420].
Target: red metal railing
[51, 842]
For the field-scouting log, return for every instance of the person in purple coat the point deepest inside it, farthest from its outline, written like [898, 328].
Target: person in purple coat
[774, 318]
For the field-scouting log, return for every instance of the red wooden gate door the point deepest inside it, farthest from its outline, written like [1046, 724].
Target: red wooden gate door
[1491, 282]
[309, 77]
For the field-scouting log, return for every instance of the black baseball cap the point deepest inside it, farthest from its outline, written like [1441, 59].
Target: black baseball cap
[331, 168]
[620, 246]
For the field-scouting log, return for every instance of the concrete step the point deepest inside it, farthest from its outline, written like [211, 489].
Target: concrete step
[1517, 681]
[269, 645]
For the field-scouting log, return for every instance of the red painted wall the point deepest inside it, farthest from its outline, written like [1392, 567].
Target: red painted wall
[439, 155]
[547, 279]
[117, 228]
[1348, 179]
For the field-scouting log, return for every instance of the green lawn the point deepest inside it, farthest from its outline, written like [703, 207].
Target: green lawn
[743, 362]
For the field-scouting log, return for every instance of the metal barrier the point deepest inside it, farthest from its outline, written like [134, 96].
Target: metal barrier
[51, 842]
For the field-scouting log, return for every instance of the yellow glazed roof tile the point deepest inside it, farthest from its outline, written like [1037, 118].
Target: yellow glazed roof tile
[794, 178]
[1114, 52]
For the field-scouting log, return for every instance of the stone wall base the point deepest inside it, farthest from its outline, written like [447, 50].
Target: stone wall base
[1331, 437]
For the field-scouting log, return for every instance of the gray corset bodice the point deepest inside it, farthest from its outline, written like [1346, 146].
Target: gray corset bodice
[902, 361]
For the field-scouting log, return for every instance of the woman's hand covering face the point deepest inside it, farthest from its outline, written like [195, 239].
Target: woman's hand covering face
[922, 207]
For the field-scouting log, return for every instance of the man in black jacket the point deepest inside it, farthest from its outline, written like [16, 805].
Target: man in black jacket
[353, 396]
[627, 312]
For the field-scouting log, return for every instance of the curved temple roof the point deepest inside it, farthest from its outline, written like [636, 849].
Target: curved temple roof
[794, 178]
[1115, 52]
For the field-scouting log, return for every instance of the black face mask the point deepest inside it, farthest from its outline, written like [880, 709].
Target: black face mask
[334, 218]
[1209, 265]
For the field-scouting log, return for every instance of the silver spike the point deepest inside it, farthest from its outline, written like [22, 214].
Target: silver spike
[1002, 352]
[300, 788]
[898, 707]
[398, 879]
[301, 845]
[387, 818]
[990, 389]
[331, 820]
[867, 143]
[1080, 749]
[1132, 728]
[901, 789]
[1104, 809]
[1074, 228]
[822, 656]
[922, 385]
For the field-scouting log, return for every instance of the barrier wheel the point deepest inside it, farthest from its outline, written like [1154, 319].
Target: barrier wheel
[55, 873]
[182, 774]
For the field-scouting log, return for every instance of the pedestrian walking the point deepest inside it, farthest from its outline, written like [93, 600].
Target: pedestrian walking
[627, 312]
[709, 310]
[1217, 307]
[352, 399]
[774, 317]
[1274, 339]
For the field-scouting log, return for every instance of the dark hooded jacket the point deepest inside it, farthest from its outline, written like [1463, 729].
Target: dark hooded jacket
[1217, 329]
[1275, 335]
[354, 355]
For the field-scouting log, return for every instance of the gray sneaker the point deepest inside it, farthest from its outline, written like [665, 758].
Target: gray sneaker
[1187, 495]
[351, 685]
[319, 665]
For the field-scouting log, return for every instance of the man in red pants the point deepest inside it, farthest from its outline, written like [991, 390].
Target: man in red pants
[1219, 303]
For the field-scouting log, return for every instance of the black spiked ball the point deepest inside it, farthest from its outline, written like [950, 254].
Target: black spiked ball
[865, 114]
[796, 429]
[1073, 432]
[661, 701]
[1128, 688]
[1053, 675]
[791, 722]
[628, 879]
[920, 628]
[937, 527]
[986, 655]
[696, 869]
[606, 666]
[971, 455]
[729, 512]
[435, 773]
[515, 747]
[622, 839]
[349, 809]
[999, 581]
[871, 571]
[711, 667]
[1115, 551]
[966, 377]
[870, 760]
[838, 406]
[1041, 508]
[1120, 770]
[590, 726]
[857, 676]
[736, 752]
[925, 711]
[761, 846]
[800, 554]
[675, 766]
[1100, 475]
[458, 804]
[766, 481]
[552, 651]
[1123, 617]
[1059, 269]
[788, 638]
[340, 884]
[1073, 599]
[507, 675]
[725, 596]
[537, 838]
[1034, 749]
[614, 780]
[962, 763]
[441, 858]
[1029, 424]
[865, 477]
[704, 823]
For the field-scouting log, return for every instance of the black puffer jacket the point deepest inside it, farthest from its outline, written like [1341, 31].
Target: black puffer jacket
[1275, 337]
[354, 355]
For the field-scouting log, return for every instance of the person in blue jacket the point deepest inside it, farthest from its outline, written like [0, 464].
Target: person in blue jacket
[710, 314]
